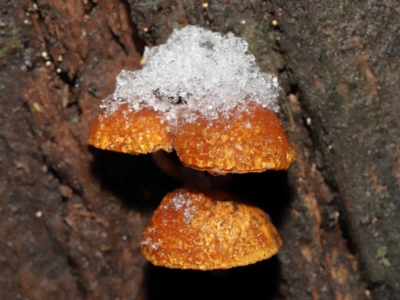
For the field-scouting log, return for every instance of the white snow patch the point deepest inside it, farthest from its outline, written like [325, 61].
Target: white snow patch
[150, 243]
[195, 71]
[179, 201]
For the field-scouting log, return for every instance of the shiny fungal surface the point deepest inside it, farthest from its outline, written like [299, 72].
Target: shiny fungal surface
[206, 231]
[251, 140]
[130, 131]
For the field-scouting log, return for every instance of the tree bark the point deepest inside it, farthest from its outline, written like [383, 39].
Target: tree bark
[71, 216]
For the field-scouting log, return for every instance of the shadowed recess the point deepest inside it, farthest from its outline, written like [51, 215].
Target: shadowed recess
[258, 281]
[269, 191]
[133, 179]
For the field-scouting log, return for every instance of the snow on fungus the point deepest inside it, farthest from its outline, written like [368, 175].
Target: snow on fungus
[202, 94]
[196, 72]
[251, 140]
[206, 231]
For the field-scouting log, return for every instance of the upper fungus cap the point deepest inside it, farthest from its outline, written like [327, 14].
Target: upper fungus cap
[206, 231]
[251, 140]
[130, 131]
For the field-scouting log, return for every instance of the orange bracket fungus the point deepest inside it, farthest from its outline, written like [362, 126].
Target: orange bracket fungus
[206, 231]
[130, 131]
[251, 140]
[203, 95]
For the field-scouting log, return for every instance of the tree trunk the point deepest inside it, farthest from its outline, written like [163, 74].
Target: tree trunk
[71, 216]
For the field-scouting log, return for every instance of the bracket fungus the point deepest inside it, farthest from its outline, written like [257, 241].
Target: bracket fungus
[206, 231]
[201, 94]
[251, 140]
[129, 131]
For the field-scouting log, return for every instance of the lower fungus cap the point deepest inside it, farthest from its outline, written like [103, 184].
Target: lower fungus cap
[191, 230]
[248, 140]
[130, 131]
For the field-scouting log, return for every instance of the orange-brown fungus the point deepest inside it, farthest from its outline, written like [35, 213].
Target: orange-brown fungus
[130, 131]
[249, 141]
[191, 230]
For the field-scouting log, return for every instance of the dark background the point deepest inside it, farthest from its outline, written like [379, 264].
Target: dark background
[71, 216]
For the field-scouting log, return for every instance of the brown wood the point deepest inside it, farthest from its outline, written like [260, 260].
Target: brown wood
[71, 216]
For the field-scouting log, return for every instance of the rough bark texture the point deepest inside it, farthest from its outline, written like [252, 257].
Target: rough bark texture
[71, 216]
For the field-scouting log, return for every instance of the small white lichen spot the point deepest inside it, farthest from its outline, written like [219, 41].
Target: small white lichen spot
[195, 71]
